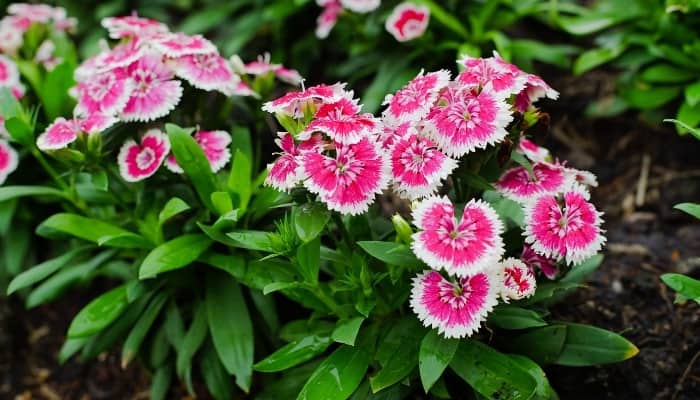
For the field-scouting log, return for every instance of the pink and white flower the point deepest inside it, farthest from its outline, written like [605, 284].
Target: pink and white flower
[518, 280]
[360, 6]
[342, 122]
[10, 37]
[519, 185]
[58, 135]
[288, 75]
[45, 55]
[533, 152]
[328, 18]
[294, 103]
[9, 74]
[464, 121]
[390, 133]
[564, 227]
[286, 171]
[122, 55]
[96, 122]
[133, 26]
[413, 101]
[418, 167]
[535, 89]
[140, 161]
[216, 148]
[261, 66]
[155, 92]
[40, 13]
[207, 72]
[499, 75]
[461, 247]
[537, 262]
[178, 44]
[105, 93]
[582, 177]
[408, 21]
[9, 160]
[349, 180]
[455, 308]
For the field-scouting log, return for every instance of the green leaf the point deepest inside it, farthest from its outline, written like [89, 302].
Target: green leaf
[595, 57]
[309, 220]
[692, 93]
[690, 115]
[174, 254]
[587, 345]
[684, 285]
[309, 260]
[239, 181]
[693, 131]
[391, 253]
[92, 230]
[347, 330]
[161, 382]
[141, 328]
[666, 73]
[646, 97]
[490, 373]
[435, 355]
[255, 240]
[20, 130]
[689, 208]
[193, 339]
[172, 208]
[397, 353]
[222, 202]
[70, 347]
[338, 375]
[277, 286]
[293, 353]
[99, 313]
[13, 192]
[230, 326]
[191, 158]
[547, 291]
[215, 376]
[580, 272]
[544, 389]
[541, 344]
[54, 91]
[513, 317]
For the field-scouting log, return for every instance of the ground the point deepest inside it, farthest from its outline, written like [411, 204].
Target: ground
[643, 170]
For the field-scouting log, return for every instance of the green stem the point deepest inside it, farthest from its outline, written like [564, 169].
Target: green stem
[49, 169]
[327, 300]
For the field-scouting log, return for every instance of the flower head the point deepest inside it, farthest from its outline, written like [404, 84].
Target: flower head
[286, 171]
[518, 280]
[348, 180]
[328, 18]
[207, 72]
[408, 21]
[564, 226]
[58, 135]
[494, 72]
[133, 26]
[462, 247]
[105, 93]
[537, 262]
[8, 160]
[122, 55]
[532, 151]
[342, 122]
[216, 148]
[138, 161]
[178, 44]
[457, 308]
[293, 103]
[413, 102]
[519, 185]
[418, 167]
[464, 121]
[9, 74]
[155, 92]
[535, 89]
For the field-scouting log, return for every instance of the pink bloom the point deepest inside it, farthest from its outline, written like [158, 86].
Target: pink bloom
[535, 89]
[41, 13]
[293, 103]
[10, 37]
[418, 167]
[96, 122]
[464, 121]
[155, 91]
[341, 122]
[328, 18]
[133, 26]
[207, 72]
[494, 72]
[360, 6]
[286, 171]
[290, 76]
[9, 160]
[532, 151]
[139, 161]
[105, 93]
[517, 184]
[407, 21]
[582, 177]
[518, 280]
[348, 181]
[413, 101]
[456, 309]
[216, 148]
[58, 135]
[461, 247]
[261, 66]
[564, 227]
[390, 134]
[120, 56]
[178, 44]
[547, 266]
[45, 55]
[9, 74]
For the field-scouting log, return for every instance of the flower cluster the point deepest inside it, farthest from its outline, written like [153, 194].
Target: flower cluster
[407, 20]
[22, 16]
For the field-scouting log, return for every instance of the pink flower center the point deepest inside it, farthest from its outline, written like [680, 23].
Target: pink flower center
[145, 158]
[99, 89]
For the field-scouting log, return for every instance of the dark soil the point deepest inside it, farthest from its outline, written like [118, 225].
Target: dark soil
[646, 238]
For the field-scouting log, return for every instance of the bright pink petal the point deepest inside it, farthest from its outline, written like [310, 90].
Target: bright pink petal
[341, 122]
[96, 123]
[9, 160]
[390, 133]
[535, 89]
[492, 72]
[293, 103]
[290, 76]
[178, 44]
[537, 262]
[286, 171]
[532, 151]
[418, 167]
[58, 135]
[9, 74]
[155, 93]
[133, 26]
[564, 227]
[207, 72]
[216, 147]
[413, 102]
[460, 247]
[408, 21]
[106, 93]
[456, 309]
[139, 161]
[120, 56]
[328, 18]
[518, 280]
[517, 184]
